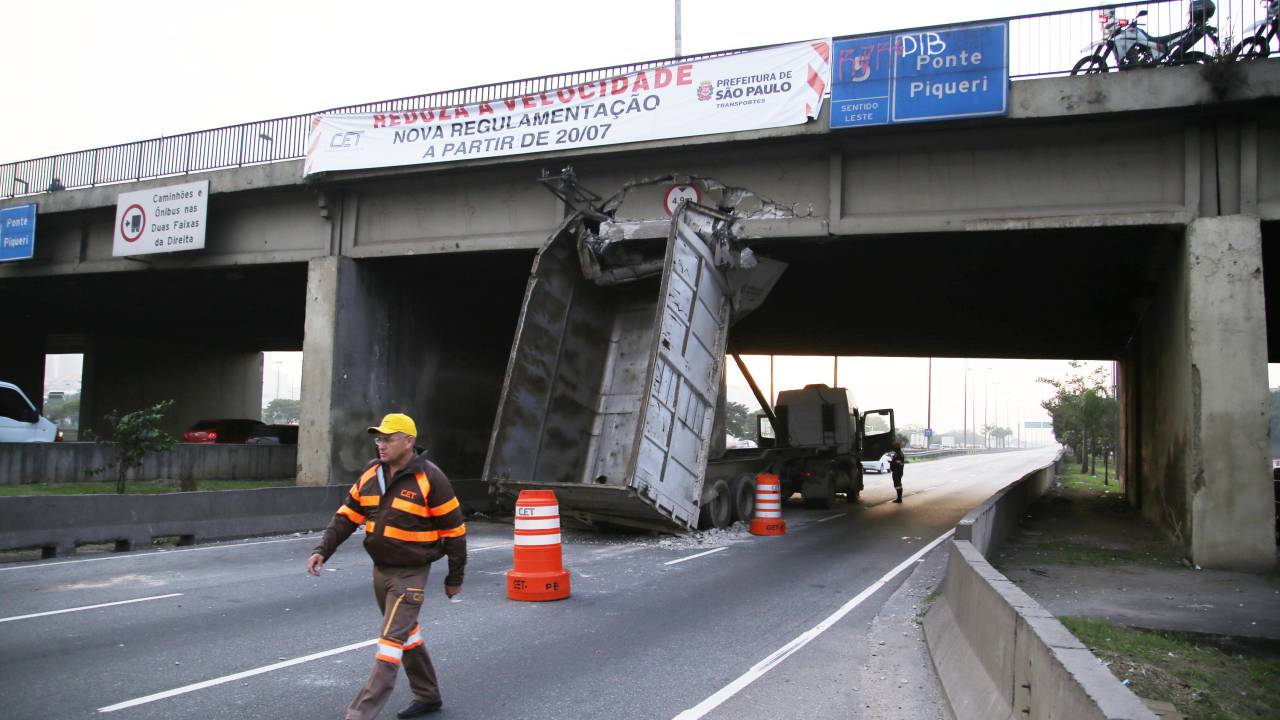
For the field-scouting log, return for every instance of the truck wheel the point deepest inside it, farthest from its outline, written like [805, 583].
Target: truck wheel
[743, 489]
[717, 511]
[855, 488]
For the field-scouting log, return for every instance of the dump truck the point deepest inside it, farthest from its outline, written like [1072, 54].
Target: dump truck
[614, 393]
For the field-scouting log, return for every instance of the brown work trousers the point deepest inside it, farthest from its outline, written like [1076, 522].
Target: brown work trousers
[399, 592]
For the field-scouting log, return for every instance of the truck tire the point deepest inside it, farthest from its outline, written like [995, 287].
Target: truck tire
[743, 491]
[717, 511]
[855, 488]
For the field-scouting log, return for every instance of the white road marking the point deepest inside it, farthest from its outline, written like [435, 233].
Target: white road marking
[786, 651]
[691, 557]
[88, 607]
[832, 517]
[490, 547]
[232, 678]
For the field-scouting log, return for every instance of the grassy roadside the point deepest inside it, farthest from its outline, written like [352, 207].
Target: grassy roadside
[138, 487]
[1201, 679]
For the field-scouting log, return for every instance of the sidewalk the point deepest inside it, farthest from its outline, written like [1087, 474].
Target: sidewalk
[1084, 553]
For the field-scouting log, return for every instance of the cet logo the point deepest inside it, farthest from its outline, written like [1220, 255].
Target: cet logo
[133, 222]
[704, 90]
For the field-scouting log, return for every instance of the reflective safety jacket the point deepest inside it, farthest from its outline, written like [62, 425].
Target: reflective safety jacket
[410, 520]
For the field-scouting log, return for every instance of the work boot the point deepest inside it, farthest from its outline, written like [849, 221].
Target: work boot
[418, 708]
[899, 499]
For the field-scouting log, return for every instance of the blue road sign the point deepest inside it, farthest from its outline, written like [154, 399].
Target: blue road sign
[938, 74]
[860, 81]
[928, 432]
[18, 232]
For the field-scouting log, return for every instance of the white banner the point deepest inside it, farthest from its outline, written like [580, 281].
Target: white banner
[754, 90]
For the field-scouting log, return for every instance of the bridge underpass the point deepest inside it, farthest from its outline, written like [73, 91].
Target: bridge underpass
[1111, 216]
[193, 336]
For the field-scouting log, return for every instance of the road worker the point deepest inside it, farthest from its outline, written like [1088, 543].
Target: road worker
[411, 518]
[897, 464]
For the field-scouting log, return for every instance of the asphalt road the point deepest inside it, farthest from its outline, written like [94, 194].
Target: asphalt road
[759, 627]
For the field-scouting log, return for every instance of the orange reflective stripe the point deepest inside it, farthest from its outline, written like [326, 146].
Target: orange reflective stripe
[455, 532]
[355, 491]
[444, 509]
[370, 500]
[424, 485]
[409, 507]
[369, 474]
[354, 516]
[396, 533]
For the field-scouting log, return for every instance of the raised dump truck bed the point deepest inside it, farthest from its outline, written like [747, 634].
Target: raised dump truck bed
[611, 391]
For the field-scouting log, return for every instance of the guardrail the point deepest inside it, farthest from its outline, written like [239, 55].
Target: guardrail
[1040, 45]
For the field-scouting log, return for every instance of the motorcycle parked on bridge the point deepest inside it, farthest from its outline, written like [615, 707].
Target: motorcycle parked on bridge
[1259, 44]
[1130, 46]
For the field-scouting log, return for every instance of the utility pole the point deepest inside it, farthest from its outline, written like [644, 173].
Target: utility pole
[678, 29]
[986, 405]
[928, 413]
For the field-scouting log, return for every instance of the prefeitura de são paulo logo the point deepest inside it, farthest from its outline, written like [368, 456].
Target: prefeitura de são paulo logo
[704, 90]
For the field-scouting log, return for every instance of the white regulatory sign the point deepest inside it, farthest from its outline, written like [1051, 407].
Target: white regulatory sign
[161, 220]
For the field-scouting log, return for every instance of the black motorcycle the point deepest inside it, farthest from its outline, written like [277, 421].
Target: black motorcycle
[1130, 46]
[1259, 44]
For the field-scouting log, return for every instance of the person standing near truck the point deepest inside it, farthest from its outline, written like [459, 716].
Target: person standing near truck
[896, 465]
[411, 518]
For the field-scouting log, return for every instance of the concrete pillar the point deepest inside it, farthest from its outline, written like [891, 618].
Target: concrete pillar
[424, 336]
[1231, 511]
[315, 432]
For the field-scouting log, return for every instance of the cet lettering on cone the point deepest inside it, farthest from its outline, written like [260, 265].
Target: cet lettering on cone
[539, 574]
[768, 517]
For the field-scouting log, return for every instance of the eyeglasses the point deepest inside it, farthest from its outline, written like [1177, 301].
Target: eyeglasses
[385, 439]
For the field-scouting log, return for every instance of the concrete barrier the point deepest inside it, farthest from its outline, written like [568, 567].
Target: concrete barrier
[998, 653]
[57, 524]
[22, 463]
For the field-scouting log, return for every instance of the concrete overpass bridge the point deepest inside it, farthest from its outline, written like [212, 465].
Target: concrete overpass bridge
[1129, 216]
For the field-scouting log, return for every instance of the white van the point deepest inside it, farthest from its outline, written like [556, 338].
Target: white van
[19, 421]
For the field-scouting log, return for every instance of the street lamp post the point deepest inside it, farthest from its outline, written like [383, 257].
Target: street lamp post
[986, 405]
[964, 408]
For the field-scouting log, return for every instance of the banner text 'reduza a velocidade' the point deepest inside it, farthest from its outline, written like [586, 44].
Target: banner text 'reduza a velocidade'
[754, 90]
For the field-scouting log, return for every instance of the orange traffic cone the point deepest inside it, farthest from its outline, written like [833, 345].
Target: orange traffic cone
[768, 516]
[538, 574]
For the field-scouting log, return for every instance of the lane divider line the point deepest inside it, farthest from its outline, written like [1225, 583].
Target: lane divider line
[232, 678]
[773, 660]
[832, 517]
[693, 557]
[88, 607]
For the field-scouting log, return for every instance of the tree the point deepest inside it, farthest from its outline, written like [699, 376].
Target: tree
[58, 410]
[739, 421]
[1001, 434]
[1084, 413]
[283, 411]
[133, 436]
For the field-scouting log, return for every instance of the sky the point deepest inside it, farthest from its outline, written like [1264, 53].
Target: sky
[89, 74]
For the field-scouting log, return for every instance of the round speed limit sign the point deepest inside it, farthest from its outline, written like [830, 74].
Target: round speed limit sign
[677, 193]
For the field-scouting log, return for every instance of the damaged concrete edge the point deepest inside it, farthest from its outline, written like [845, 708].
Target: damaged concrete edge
[997, 651]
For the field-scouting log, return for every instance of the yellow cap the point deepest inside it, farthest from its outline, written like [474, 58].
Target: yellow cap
[396, 423]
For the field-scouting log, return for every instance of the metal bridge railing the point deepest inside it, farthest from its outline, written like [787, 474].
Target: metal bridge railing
[1040, 45]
